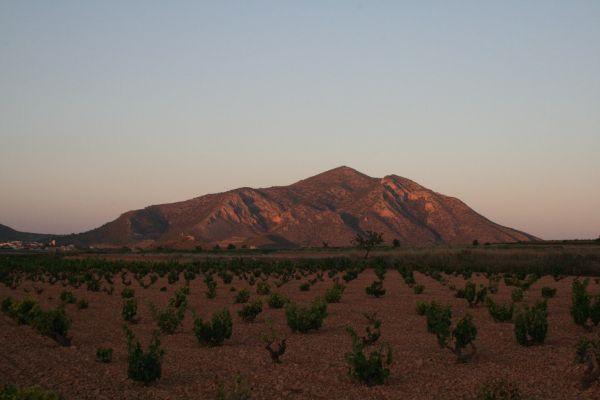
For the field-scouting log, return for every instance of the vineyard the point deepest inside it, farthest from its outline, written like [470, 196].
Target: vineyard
[498, 323]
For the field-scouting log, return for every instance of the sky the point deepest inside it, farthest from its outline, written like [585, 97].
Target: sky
[116, 105]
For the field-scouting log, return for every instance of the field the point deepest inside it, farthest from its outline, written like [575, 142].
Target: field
[314, 365]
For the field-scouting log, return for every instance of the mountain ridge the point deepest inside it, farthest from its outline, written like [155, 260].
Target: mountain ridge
[330, 207]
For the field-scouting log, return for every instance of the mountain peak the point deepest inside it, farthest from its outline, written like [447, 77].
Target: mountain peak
[333, 206]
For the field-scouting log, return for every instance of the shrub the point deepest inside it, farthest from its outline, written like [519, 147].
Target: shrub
[350, 275]
[67, 297]
[531, 324]
[375, 289]
[305, 287]
[129, 310]
[250, 311]
[499, 389]
[227, 277]
[548, 293]
[422, 307]
[580, 302]
[587, 352]
[277, 300]
[334, 293]
[372, 369]
[173, 277]
[179, 299]
[168, 319]
[517, 295]
[439, 323]
[464, 335]
[9, 392]
[215, 332]
[270, 339]
[303, 319]
[472, 294]
[418, 289]
[373, 329]
[82, 304]
[263, 288]
[242, 296]
[53, 323]
[104, 354]
[500, 312]
[211, 287]
[128, 293]
[143, 366]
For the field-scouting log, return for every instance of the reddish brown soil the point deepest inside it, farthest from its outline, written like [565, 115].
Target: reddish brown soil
[313, 366]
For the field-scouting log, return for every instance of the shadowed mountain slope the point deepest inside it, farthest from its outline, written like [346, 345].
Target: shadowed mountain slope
[330, 207]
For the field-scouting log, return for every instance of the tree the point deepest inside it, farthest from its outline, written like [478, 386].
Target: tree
[367, 242]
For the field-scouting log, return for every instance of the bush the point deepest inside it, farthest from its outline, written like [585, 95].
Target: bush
[422, 307]
[464, 335]
[128, 293]
[277, 300]
[517, 295]
[211, 287]
[263, 288]
[418, 289]
[143, 367]
[129, 310]
[9, 392]
[499, 389]
[334, 293]
[305, 287]
[54, 324]
[472, 294]
[104, 354]
[548, 293]
[373, 329]
[303, 319]
[531, 324]
[372, 369]
[82, 304]
[215, 332]
[375, 289]
[439, 323]
[270, 339]
[500, 312]
[168, 319]
[587, 352]
[580, 302]
[250, 311]
[67, 297]
[242, 296]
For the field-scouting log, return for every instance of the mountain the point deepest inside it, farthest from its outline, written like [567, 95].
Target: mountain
[330, 207]
[9, 234]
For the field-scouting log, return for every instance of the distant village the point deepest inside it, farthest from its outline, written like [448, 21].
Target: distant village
[22, 245]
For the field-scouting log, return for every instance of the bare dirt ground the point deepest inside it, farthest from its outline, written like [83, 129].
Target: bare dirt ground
[313, 366]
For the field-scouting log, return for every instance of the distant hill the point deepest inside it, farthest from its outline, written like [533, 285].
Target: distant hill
[331, 207]
[9, 234]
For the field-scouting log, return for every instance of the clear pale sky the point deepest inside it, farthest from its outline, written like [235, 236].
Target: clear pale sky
[110, 106]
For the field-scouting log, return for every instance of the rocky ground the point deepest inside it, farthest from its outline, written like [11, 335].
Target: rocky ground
[313, 366]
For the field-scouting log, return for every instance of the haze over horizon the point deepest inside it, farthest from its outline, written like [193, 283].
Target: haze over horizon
[109, 107]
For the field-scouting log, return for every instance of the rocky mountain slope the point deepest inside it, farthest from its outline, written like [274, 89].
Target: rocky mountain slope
[331, 207]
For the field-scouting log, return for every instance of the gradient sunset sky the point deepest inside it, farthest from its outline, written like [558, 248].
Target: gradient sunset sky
[109, 106]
